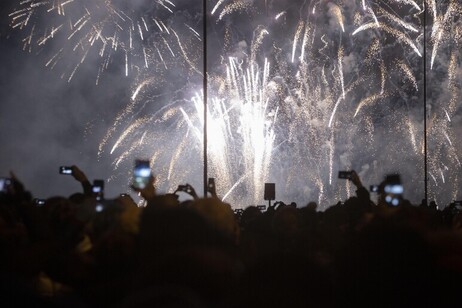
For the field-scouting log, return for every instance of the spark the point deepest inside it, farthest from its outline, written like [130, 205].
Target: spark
[331, 159]
[340, 64]
[383, 75]
[296, 39]
[408, 73]
[367, 101]
[195, 32]
[447, 138]
[447, 115]
[333, 112]
[396, 33]
[338, 13]
[411, 2]
[233, 7]
[375, 17]
[126, 133]
[215, 8]
[397, 20]
[280, 15]
[183, 51]
[103, 25]
[412, 134]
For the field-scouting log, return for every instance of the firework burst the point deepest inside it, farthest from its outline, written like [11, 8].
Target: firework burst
[287, 107]
[135, 33]
[297, 91]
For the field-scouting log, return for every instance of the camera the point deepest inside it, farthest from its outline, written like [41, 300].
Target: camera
[270, 192]
[374, 188]
[393, 189]
[65, 170]
[98, 189]
[184, 188]
[262, 208]
[393, 185]
[211, 186]
[345, 175]
[4, 183]
[39, 202]
[141, 173]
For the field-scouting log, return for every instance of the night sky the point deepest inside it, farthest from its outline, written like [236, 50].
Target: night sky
[46, 121]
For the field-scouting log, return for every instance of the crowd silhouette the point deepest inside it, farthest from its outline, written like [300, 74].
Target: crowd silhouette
[86, 251]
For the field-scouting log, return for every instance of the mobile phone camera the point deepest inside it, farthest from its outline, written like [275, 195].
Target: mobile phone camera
[141, 174]
[39, 202]
[393, 189]
[211, 182]
[98, 189]
[345, 174]
[65, 170]
[184, 188]
[4, 183]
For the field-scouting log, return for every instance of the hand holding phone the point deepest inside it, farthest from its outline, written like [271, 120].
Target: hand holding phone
[141, 174]
[98, 189]
[67, 170]
[347, 175]
[393, 189]
[4, 183]
[188, 189]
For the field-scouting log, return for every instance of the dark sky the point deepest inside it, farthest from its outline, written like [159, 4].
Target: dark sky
[46, 122]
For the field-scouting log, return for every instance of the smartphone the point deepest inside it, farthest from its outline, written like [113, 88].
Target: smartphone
[393, 189]
[98, 189]
[39, 202]
[65, 170]
[345, 175]
[141, 173]
[211, 186]
[211, 183]
[262, 208]
[184, 188]
[4, 183]
[393, 185]
[270, 191]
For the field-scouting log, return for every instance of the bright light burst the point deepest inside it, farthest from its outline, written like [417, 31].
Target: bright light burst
[131, 32]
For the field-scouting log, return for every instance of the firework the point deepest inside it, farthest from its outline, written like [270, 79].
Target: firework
[273, 118]
[104, 31]
[444, 151]
[296, 91]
